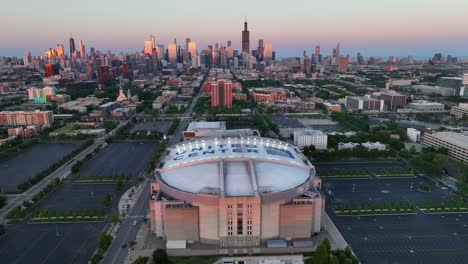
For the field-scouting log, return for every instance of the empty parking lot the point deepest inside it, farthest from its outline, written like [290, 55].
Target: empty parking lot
[49, 243]
[29, 162]
[125, 157]
[417, 238]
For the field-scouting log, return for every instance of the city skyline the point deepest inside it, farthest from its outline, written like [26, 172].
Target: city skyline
[361, 26]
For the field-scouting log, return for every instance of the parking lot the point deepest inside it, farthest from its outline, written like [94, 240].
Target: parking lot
[49, 243]
[406, 239]
[161, 126]
[125, 157]
[29, 162]
[417, 238]
[78, 196]
[285, 122]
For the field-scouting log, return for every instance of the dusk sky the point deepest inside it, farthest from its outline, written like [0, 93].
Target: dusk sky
[373, 27]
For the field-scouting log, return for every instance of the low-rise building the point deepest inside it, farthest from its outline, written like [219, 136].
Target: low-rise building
[308, 137]
[459, 111]
[413, 134]
[215, 129]
[426, 106]
[374, 146]
[330, 107]
[348, 145]
[456, 143]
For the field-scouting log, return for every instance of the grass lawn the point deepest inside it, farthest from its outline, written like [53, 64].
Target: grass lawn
[194, 259]
[67, 128]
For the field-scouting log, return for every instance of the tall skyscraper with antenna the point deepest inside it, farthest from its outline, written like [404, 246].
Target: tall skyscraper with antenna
[245, 39]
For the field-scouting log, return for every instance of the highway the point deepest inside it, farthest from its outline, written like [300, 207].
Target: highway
[128, 231]
[62, 172]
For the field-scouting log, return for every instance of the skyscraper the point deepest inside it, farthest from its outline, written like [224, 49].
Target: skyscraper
[82, 50]
[230, 49]
[148, 47]
[268, 52]
[60, 50]
[172, 53]
[72, 46]
[192, 49]
[245, 39]
[317, 51]
[260, 50]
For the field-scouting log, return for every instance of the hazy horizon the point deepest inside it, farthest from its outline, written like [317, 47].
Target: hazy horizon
[374, 28]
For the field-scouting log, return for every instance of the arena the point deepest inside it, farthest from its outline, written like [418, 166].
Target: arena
[235, 192]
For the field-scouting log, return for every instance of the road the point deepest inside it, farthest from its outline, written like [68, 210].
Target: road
[62, 172]
[128, 231]
[186, 118]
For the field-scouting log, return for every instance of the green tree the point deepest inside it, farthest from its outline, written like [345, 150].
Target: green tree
[327, 244]
[321, 255]
[119, 185]
[104, 240]
[334, 260]
[160, 257]
[3, 200]
[348, 252]
[114, 218]
[107, 200]
[110, 125]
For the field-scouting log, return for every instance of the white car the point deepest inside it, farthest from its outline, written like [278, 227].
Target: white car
[134, 223]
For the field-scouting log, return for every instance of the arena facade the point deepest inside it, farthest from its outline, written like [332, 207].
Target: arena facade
[235, 192]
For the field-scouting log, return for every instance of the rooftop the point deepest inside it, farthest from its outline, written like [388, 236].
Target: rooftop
[197, 126]
[453, 137]
[246, 166]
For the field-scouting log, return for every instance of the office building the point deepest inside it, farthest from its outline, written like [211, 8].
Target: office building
[148, 47]
[308, 137]
[268, 52]
[456, 143]
[246, 39]
[172, 53]
[235, 192]
[72, 47]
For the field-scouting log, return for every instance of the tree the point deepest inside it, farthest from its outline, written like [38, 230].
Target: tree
[107, 200]
[334, 260]
[119, 185]
[110, 125]
[104, 240]
[3, 200]
[327, 244]
[160, 257]
[114, 218]
[348, 251]
[321, 255]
